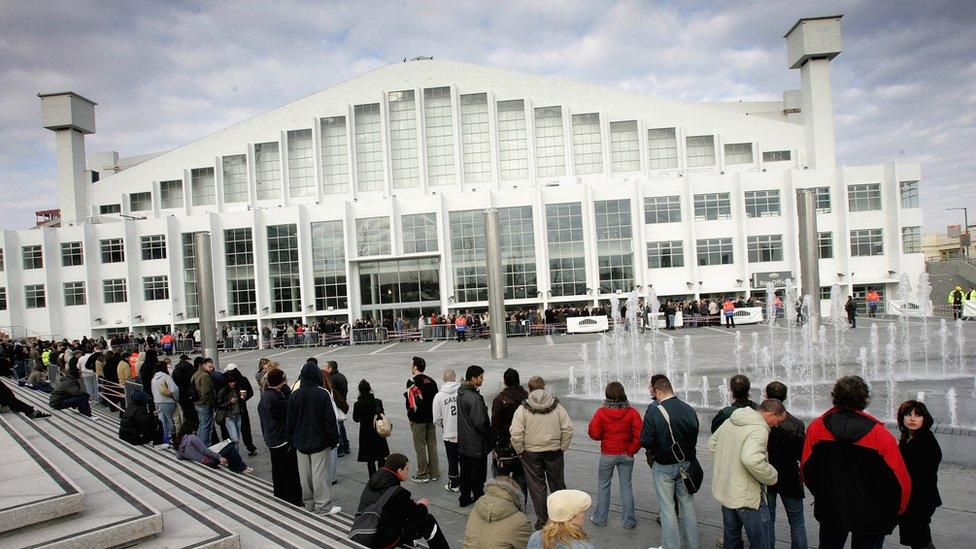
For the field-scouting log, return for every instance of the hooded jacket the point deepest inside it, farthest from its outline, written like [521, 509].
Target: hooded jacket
[312, 425]
[785, 448]
[502, 411]
[541, 424]
[853, 469]
[182, 374]
[473, 426]
[137, 425]
[741, 460]
[400, 510]
[419, 398]
[617, 425]
[157, 381]
[726, 413]
[498, 520]
[273, 413]
[68, 387]
[445, 410]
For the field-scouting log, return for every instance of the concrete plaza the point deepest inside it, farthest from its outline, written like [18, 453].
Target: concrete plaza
[386, 367]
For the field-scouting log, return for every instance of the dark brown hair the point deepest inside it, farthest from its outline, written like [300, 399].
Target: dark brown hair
[920, 409]
[851, 393]
[615, 392]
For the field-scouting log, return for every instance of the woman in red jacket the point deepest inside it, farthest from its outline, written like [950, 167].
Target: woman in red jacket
[617, 425]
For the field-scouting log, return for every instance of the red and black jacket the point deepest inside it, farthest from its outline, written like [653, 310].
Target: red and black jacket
[852, 466]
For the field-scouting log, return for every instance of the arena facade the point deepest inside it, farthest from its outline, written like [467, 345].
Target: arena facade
[366, 200]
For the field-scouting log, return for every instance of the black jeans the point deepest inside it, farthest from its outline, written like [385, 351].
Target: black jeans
[474, 473]
[284, 475]
[852, 320]
[453, 473]
[246, 429]
[373, 466]
[835, 539]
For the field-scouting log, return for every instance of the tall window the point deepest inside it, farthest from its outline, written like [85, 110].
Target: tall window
[419, 232]
[239, 258]
[114, 290]
[662, 148]
[762, 203]
[190, 291]
[140, 202]
[738, 153]
[2, 266]
[765, 248]
[153, 247]
[776, 156]
[475, 139]
[335, 151]
[713, 206]
[203, 186]
[518, 252]
[106, 209]
[171, 194]
[614, 245]
[911, 240]
[72, 254]
[864, 198]
[3, 299]
[513, 151]
[74, 293]
[665, 254]
[33, 257]
[403, 139]
[714, 251]
[267, 170]
[567, 258]
[468, 255]
[369, 147]
[909, 193]
[301, 163]
[373, 235]
[439, 125]
[662, 209]
[329, 265]
[113, 250]
[587, 144]
[624, 147]
[825, 245]
[867, 242]
[155, 287]
[34, 297]
[235, 178]
[550, 151]
[823, 200]
[700, 151]
[286, 288]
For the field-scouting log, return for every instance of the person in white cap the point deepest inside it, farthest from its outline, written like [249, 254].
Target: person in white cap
[564, 529]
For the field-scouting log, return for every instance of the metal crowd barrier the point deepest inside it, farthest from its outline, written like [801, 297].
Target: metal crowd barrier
[369, 335]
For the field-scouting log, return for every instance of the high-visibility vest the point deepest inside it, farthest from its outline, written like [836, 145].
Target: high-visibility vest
[728, 306]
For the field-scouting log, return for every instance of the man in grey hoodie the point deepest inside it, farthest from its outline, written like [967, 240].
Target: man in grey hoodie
[445, 417]
[541, 433]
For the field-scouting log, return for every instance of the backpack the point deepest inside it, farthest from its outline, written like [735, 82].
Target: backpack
[366, 525]
[384, 427]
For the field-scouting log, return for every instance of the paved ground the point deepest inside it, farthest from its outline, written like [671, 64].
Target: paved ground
[387, 368]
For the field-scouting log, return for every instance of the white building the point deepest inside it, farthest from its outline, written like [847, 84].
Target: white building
[366, 199]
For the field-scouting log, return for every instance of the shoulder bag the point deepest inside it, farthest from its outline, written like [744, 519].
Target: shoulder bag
[692, 474]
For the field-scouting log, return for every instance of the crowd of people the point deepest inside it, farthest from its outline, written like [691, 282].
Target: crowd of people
[863, 481]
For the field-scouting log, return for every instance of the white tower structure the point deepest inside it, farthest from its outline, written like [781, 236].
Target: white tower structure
[71, 117]
[810, 45]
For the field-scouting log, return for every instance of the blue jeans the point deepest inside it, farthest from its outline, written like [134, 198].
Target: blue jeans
[758, 527]
[165, 412]
[794, 513]
[233, 426]
[669, 487]
[205, 415]
[624, 465]
[234, 460]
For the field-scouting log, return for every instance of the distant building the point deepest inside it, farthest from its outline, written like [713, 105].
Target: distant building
[366, 199]
[939, 246]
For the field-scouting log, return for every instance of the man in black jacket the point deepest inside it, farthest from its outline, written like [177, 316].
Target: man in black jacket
[506, 461]
[137, 425]
[313, 431]
[739, 386]
[402, 520]
[474, 432]
[273, 413]
[232, 373]
[785, 448]
[419, 396]
[182, 375]
[341, 387]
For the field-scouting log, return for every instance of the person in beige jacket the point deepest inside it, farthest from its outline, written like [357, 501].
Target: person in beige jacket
[742, 471]
[541, 432]
[498, 520]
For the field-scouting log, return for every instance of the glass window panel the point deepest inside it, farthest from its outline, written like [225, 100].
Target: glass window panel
[171, 194]
[72, 254]
[235, 178]
[335, 155]
[714, 251]
[74, 294]
[864, 198]
[403, 139]
[513, 152]
[439, 126]
[909, 194]
[825, 245]
[106, 209]
[369, 147]
[762, 203]
[114, 290]
[267, 170]
[155, 288]
[113, 250]
[776, 156]
[614, 242]
[765, 248]
[662, 209]
[823, 199]
[203, 186]
[662, 148]
[738, 153]
[33, 257]
[549, 148]
[373, 236]
[712, 206]
[140, 202]
[475, 138]
[665, 254]
[301, 164]
[283, 270]
[153, 247]
[419, 232]
[700, 151]
[911, 240]
[190, 293]
[34, 296]
[239, 259]
[564, 234]
[587, 144]
[624, 147]
[867, 242]
[329, 265]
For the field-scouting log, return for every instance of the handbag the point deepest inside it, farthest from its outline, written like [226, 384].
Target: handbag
[691, 475]
[384, 427]
[507, 459]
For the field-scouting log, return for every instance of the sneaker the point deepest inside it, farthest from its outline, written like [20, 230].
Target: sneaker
[435, 479]
[334, 511]
[252, 453]
[37, 414]
[93, 418]
[248, 470]
[421, 480]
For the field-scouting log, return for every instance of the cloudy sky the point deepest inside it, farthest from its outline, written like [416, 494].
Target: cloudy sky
[165, 73]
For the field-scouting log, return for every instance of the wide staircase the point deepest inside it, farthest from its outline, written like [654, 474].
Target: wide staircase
[68, 481]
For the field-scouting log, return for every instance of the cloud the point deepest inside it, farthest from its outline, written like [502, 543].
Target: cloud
[168, 73]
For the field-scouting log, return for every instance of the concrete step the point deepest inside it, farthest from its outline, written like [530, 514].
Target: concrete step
[32, 489]
[112, 515]
[241, 500]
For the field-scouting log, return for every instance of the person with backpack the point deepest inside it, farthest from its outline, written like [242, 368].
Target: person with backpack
[387, 516]
[373, 448]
